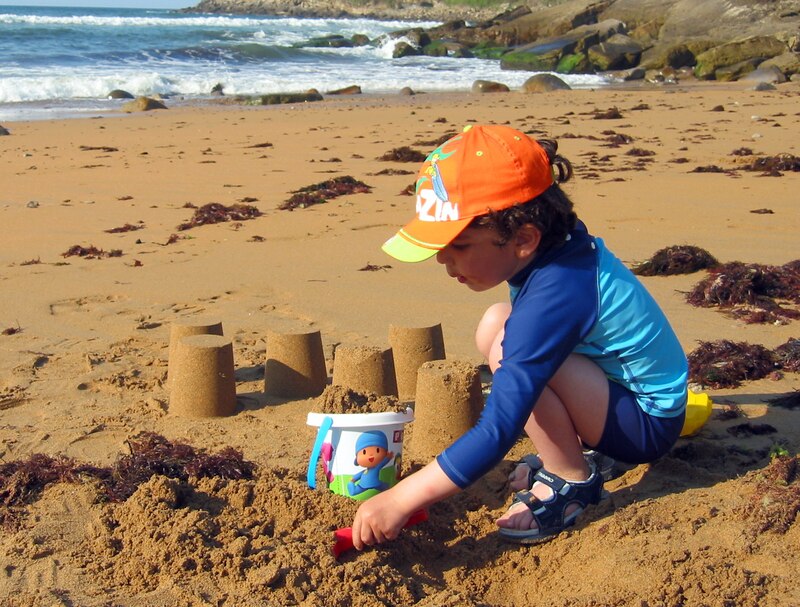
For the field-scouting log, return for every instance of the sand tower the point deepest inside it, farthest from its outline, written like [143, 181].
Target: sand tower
[448, 403]
[203, 383]
[411, 347]
[295, 366]
[186, 327]
[365, 369]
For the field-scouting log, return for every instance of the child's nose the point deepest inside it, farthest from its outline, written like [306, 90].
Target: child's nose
[441, 256]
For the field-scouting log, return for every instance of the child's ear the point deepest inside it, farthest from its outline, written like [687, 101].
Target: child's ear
[527, 240]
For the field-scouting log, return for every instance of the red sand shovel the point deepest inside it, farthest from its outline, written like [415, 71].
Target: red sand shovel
[343, 538]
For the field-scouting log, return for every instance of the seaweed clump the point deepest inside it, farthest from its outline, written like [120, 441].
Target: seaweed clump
[403, 154]
[775, 503]
[215, 212]
[22, 481]
[320, 193]
[789, 355]
[749, 291]
[90, 252]
[726, 364]
[677, 259]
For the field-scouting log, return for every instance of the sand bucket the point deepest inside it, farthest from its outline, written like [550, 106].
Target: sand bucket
[361, 453]
[698, 410]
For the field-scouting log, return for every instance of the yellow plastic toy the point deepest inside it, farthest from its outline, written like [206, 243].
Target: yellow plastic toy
[698, 410]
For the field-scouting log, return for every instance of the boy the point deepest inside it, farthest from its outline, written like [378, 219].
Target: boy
[582, 356]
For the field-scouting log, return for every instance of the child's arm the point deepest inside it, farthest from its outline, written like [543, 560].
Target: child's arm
[382, 516]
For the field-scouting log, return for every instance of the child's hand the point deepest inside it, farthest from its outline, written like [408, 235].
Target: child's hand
[378, 519]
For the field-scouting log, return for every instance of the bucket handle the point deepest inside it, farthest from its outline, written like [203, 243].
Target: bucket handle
[311, 475]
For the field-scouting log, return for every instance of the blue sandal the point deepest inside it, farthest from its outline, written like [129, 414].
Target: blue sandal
[607, 466]
[549, 514]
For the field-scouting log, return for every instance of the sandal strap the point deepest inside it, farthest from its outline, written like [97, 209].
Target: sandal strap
[550, 513]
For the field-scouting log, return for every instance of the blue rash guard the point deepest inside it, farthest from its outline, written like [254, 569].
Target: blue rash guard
[577, 298]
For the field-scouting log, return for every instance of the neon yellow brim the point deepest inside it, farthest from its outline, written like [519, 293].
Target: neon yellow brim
[402, 250]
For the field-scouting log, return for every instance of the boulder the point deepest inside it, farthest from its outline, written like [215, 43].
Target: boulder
[543, 83]
[447, 48]
[770, 73]
[577, 63]
[119, 94]
[407, 91]
[330, 41]
[3, 131]
[731, 53]
[353, 89]
[487, 86]
[359, 39]
[736, 71]
[544, 55]
[279, 98]
[788, 63]
[143, 104]
[404, 49]
[667, 55]
[619, 52]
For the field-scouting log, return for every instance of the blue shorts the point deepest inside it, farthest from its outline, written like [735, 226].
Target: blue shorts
[631, 435]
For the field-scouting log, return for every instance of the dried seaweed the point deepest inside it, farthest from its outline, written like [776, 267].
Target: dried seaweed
[748, 429]
[610, 114]
[151, 454]
[712, 168]
[788, 355]
[91, 252]
[749, 291]
[677, 259]
[775, 503]
[371, 267]
[322, 192]
[769, 164]
[403, 154]
[128, 227]
[726, 364]
[641, 152]
[215, 212]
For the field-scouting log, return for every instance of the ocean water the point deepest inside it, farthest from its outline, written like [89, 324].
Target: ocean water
[62, 62]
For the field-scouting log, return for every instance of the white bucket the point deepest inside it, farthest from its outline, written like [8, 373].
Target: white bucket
[361, 452]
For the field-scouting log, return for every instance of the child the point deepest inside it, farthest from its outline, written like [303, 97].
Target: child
[582, 356]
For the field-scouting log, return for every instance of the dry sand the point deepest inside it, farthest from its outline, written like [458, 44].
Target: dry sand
[83, 361]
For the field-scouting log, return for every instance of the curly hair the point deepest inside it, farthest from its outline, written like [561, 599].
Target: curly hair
[551, 211]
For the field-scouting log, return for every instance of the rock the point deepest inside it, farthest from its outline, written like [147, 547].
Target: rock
[737, 70]
[404, 49]
[330, 41]
[543, 83]
[764, 86]
[447, 48]
[619, 52]
[119, 94]
[731, 53]
[487, 86]
[279, 98]
[770, 74]
[577, 63]
[787, 63]
[629, 75]
[668, 55]
[353, 89]
[143, 104]
[3, 131]
[359, 39]
[217, 90]
[407, 91]
[545, 55]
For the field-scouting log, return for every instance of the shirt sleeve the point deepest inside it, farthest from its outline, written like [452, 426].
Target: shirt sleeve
[554, 309]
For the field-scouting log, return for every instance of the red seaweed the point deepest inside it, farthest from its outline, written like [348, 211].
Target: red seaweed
[215, 212]
[677, 259]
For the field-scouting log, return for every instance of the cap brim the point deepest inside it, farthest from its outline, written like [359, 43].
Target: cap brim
[421, 240]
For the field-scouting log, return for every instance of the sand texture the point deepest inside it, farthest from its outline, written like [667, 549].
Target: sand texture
[95, 269]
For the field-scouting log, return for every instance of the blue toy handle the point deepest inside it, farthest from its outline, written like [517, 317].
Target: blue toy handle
[311, 475]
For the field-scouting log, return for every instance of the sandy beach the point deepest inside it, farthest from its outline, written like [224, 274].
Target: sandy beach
[84, 349]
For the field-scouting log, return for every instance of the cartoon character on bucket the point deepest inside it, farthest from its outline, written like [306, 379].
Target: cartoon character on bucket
[372, 453]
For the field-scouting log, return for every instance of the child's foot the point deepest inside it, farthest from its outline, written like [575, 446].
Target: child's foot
[521, 477]
[552, 505]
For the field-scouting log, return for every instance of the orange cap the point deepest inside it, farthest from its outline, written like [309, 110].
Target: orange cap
[485, 168]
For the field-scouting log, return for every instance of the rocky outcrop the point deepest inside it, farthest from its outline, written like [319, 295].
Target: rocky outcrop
[723, 39]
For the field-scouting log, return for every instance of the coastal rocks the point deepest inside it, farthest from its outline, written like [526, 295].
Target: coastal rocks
[543, 83]
[119, 94]
[487, 86]
[758, 48]
[619, 52]
[353, 89]
[279, 98]
[3, 131]
[143, 104]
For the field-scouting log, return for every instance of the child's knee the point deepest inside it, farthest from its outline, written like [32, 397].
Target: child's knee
[490, 328]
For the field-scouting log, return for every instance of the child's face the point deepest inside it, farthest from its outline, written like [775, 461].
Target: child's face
[370, 457]
[476, 261]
